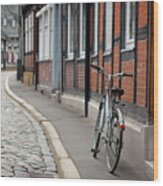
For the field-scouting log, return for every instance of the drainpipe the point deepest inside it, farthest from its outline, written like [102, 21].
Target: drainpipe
[56, 61]
[20, 45]
[87, 61]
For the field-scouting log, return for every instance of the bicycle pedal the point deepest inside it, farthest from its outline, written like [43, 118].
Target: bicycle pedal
[104, 139]
[95, 150]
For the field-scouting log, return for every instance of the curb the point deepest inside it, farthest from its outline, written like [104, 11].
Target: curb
[66, 166]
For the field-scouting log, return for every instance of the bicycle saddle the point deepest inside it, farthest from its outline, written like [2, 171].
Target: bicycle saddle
[117, 91]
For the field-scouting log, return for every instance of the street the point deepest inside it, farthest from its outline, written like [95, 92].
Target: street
[24, 149]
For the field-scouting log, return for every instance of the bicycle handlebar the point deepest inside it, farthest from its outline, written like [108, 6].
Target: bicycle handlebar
[96, 67]
[122, 74]
[128, 74]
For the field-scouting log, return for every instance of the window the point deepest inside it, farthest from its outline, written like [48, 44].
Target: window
[26, 35]
[40, 37]
[108, 27]
[130, 25]
[4, 22]
[51, 34]
[95, 29]
[29, 33]
[82, 29]
[13, 23]
[46, 35]
[45, 32]
[32, 30]
[70, 32]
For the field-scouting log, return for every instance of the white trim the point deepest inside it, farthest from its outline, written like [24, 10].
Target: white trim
[40, 12]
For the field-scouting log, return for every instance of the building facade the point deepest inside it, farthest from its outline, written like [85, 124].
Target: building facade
[120, 41]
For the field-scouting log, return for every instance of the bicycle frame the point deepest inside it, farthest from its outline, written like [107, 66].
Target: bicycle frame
[110, 122]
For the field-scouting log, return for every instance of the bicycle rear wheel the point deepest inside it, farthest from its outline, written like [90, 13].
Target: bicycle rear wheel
[114, 143]
[98, 130]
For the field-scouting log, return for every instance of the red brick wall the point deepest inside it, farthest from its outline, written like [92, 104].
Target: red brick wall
[142, 56]
[81, 79]
[45, 73]
[141, 72]
[128, 82]
[69, 75]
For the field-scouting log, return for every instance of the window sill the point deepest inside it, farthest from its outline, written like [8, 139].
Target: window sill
[127, 49]
[69, 59]
[94, 55]
[108, 53]
[82, 57]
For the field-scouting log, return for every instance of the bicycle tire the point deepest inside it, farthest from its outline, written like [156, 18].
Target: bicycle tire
[98, 130]
[112, 158]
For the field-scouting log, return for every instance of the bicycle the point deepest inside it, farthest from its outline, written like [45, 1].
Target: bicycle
[110, 123]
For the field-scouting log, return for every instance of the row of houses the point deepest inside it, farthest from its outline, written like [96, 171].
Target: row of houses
[60, 41]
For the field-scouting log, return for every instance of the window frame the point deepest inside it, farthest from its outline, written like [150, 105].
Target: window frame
[81, 19]
[69, 12]
[46, 51]
[95, 29]
[129, 42]
[108, 28]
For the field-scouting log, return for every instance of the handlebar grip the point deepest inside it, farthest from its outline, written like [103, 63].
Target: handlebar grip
[128, 74]
[96, 67]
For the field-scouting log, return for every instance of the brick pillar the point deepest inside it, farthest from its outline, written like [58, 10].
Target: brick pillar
[100, 43]
[116, 49]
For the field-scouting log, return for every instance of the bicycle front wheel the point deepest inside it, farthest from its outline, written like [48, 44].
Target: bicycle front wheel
[98, 129]
[114, 143]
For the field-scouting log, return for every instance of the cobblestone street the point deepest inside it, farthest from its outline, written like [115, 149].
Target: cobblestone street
[24, 149]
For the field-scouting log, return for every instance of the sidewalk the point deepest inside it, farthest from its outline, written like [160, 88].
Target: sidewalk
[76, 133]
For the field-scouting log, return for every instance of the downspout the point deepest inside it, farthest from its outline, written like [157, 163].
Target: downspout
[56, 58]
[22, 44]
[87, 61]
[53, 49]
[113, 24]
[135, 54]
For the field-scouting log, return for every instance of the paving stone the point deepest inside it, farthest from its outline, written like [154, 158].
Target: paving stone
[21, 174]
[23, 144]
